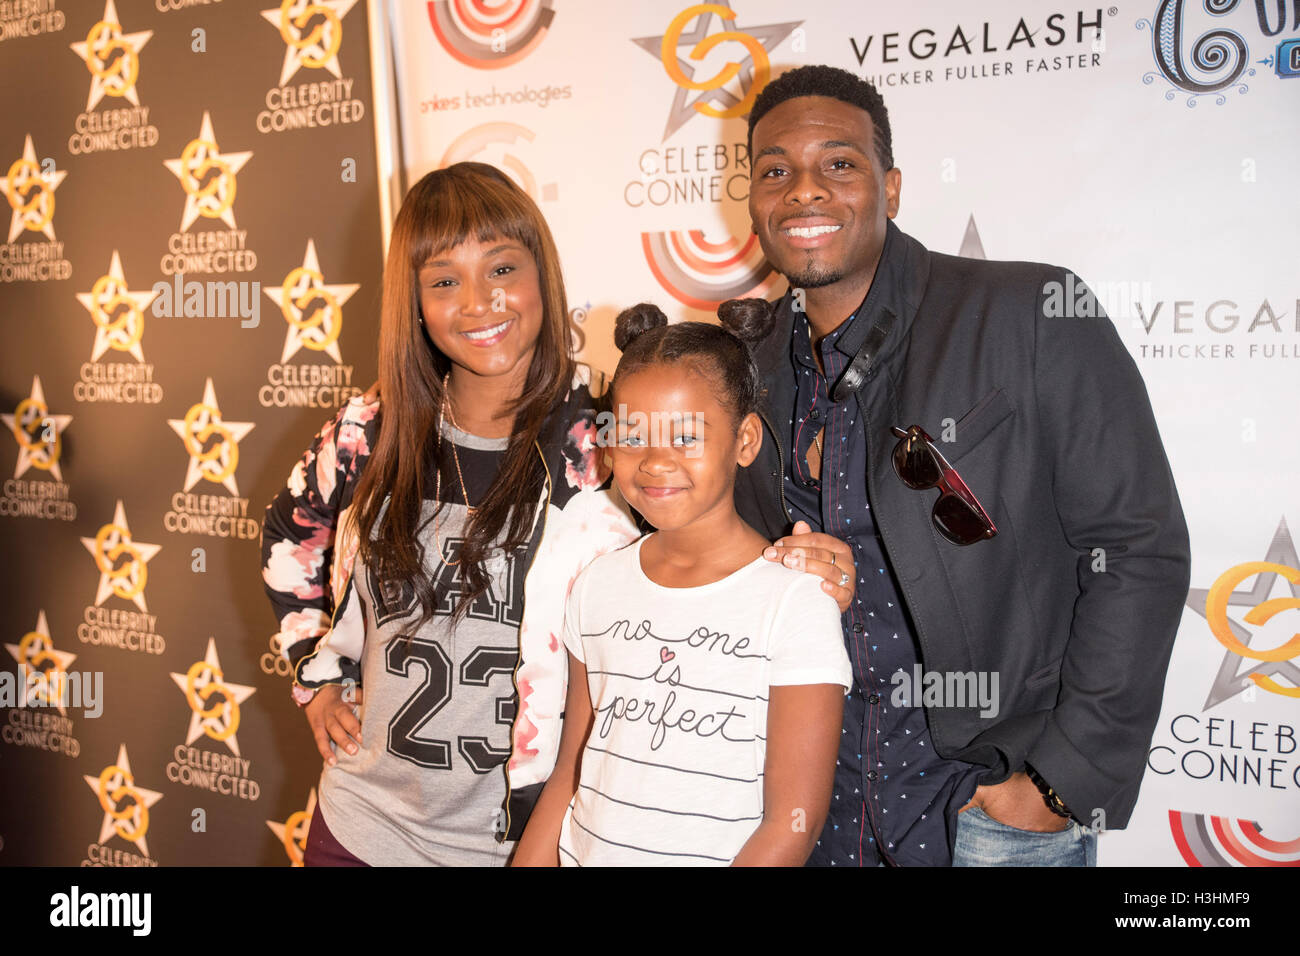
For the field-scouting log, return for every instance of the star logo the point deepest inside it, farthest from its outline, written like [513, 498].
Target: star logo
[117, 312]
[312, 31]
[43, 669]
[971, 245]
[38, 433]
[313, 309]
[212, 443]
[214, 703]
[112, 57]
[30, 191]
[208, 177]
[292, 833]
[122, 561]
[126, 806]
[1280, 561]
[731, 91]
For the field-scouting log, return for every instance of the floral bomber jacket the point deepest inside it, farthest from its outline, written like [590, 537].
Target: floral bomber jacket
[309, 548]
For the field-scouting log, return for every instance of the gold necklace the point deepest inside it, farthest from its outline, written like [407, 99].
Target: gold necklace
[443, 413]
[450, 414]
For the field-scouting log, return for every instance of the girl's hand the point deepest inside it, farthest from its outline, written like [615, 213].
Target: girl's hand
[331, 717]
[820, 554]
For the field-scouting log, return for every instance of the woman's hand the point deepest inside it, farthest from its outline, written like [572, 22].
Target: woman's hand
[820, 554]
[332, 718]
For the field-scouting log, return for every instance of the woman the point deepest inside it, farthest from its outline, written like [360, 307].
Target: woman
[457, 513]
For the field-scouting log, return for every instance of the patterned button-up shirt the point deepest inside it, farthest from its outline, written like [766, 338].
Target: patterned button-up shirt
[892, 792]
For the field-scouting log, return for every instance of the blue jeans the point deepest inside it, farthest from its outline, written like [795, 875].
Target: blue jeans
[983, 841]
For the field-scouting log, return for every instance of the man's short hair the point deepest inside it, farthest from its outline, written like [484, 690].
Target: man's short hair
[837, 84]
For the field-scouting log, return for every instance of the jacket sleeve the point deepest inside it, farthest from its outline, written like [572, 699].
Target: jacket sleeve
[1119, 509]
[299, 532]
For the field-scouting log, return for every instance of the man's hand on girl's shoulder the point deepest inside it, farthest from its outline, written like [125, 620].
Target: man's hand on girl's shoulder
[821, 554]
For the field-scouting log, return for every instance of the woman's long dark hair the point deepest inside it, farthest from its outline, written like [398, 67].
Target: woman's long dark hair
[445, 208]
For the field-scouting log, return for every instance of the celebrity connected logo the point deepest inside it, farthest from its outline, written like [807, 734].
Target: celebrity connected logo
[312, 307]
[211, 442]
[490, 34]
[38, 433]
[125, 805]
[118, 313]
[1212, 603]
[292, 833]
[122, 561]
[30, 187]
[42, 669]
[731, 91]
[112, 57]
[312, 31]
[208, 177]
[214, 702]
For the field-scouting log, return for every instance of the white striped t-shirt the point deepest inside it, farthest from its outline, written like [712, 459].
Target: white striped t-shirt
[672, 773]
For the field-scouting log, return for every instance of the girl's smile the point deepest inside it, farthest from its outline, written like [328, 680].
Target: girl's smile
[676, 458]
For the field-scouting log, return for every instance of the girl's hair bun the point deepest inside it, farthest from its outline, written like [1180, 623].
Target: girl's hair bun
[750, 320]
[636, 319]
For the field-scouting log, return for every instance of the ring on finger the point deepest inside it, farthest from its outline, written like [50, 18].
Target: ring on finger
[844, 578]
[832, 558]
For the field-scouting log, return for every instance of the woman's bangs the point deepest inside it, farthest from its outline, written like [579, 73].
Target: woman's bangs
[455, 214]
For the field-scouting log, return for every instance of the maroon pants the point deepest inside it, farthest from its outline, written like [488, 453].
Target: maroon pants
[322, 849]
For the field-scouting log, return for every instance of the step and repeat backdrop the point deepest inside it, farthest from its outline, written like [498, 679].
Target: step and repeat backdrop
[189, 282]
[1148, 145]
[158, 152]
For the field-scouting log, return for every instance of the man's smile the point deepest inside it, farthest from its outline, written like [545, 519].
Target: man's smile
[807, 232]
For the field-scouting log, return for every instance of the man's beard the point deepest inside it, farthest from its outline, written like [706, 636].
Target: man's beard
[813, 277]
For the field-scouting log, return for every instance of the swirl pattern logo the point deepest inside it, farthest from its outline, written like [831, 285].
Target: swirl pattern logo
[1207, 840]
[702, 274]
[490, 34]
[1218, 60]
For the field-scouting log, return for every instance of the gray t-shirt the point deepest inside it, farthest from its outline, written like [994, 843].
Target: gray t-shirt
[427, 784]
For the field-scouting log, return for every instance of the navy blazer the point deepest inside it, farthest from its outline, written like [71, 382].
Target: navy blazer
[1052, 429]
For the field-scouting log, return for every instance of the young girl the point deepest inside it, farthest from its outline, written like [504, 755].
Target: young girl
[456, 517]
[705, 684]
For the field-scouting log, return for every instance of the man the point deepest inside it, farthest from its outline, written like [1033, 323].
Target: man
[1035, 581]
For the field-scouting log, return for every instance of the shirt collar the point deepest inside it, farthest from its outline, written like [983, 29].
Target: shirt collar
[885, 292]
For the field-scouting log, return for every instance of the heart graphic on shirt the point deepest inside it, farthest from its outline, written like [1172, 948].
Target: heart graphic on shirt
[666, 655]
